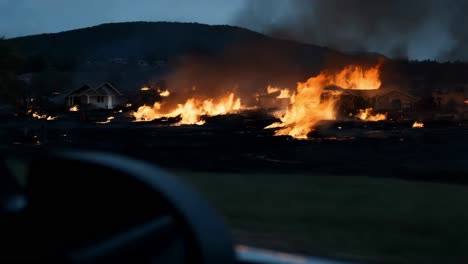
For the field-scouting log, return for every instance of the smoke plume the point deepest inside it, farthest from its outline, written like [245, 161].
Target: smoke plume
[416, 29]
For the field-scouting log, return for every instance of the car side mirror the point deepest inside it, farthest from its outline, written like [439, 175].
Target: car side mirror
[88, 207]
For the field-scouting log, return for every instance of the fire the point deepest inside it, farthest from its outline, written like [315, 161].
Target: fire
[164, 93]
[108, 120]
[145, 88]
[74, 108]
[308, 107]
[44, 116]
[272, 89]
[418, 124]
[190, 112]
[366, 115]
[356, 78]
[128, 105]
[38, 116]
[284, 93]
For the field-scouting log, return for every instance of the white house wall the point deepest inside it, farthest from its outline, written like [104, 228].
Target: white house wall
[93, 100]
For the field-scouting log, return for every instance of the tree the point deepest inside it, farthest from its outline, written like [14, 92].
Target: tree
[9, 62]
[36, 63]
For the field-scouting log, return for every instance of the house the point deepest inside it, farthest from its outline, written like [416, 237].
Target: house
[142, 63]
[159, 63]
[122, 61]
[26, 77]
[104, 96]
[452, 99]
[383, 99]
[271, 101]
[347, 98]
[394, 100]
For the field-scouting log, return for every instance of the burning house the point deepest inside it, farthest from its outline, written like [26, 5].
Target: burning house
[104, 96]
[394, 100]
[349, 100]
[273, 101]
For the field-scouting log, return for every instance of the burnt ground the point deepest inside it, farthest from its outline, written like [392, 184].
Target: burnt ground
[237, 143]
[277, 193]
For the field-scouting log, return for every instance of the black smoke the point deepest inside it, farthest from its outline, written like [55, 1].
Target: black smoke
[414, 29]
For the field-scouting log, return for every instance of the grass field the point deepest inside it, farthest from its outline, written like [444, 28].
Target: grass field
[353, 218]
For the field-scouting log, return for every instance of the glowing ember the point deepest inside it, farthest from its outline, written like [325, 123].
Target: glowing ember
[38, 116]
[191, 111]
[128, 105]
[44, 116]
[145, 89]
[108, 120]
[308, 108]
[418, 124]
[284, 93]
[366, 115]
[120, 111]
[74, 108]
[165, 93]
[272, 89]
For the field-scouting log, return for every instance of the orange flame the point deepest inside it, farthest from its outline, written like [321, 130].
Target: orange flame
[284, 93]
[271, 89]
[38, 116]
[356, 78]
[145, 88]
[366, 115]
[164, 93]
[44, 116]
[108, 120]
[74, 108]
[418, 124]
[191, 111]
[308, 108]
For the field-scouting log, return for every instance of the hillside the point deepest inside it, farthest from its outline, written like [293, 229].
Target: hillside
[165, 41]
[134, 40]
[209, 55]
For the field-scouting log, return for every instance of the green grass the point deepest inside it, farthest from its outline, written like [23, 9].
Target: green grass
[356, 218]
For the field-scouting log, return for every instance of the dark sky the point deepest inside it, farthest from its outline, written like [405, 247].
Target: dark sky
[415, 29]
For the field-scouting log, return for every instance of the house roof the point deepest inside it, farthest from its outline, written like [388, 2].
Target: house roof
[372, 93]
[398, 91]
[366, 93]
[270, 95]
[356, 92]
[105, 89]
[80, 90]
[330, 88]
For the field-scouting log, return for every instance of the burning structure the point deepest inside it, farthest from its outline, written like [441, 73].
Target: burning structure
[353, 93]
[309, 104]
[274, 98]
[191, 111]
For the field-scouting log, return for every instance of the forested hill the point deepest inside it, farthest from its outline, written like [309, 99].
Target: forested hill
[167, 41]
